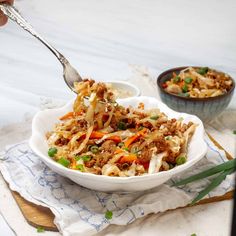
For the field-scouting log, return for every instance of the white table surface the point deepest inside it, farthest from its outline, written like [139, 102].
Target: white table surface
[102, 39]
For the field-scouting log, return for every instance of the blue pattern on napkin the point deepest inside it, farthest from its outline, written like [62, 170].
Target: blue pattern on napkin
[75, 204]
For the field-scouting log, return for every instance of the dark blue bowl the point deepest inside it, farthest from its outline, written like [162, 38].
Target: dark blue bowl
[205, 108]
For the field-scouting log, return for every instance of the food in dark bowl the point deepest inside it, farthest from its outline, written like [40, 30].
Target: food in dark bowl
[200, 91]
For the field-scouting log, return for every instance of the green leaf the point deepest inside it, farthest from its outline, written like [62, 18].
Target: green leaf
[212, 171]
[188, 80]
[215, 182]
[176, 79]
[185, 88]
[193, 235]
[108, 215]
[40, 229]
[234, 132]
[202, 70]
[63, 161]
[52, 152]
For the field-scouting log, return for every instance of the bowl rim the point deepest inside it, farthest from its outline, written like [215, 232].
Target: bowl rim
[69, 172]
[189, 98]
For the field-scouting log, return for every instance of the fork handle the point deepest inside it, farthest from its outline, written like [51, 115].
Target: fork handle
[14, 15]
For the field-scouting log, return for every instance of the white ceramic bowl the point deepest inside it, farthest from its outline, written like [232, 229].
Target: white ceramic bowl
[124, 89]
[45, 120]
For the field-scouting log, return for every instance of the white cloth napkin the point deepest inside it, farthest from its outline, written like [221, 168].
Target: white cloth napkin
[80, 211]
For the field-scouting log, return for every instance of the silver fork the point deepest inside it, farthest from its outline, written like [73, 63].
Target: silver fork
[69, 73]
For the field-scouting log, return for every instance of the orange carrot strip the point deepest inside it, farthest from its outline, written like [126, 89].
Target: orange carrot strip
[114, 138]
[118, 151]
[130, 158]
[98, 135]
[135, 137]
[67, 116]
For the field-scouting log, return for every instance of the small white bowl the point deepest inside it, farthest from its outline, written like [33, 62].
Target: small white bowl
[123, 89]
[45, 120]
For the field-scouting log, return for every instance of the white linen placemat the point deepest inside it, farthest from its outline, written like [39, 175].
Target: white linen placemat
[80, 211]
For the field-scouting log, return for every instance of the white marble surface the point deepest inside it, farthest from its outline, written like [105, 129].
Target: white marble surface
[102, 39]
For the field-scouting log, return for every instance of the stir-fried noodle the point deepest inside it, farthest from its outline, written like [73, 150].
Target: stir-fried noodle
[101, 137]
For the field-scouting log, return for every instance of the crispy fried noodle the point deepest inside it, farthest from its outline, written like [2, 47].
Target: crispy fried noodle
[101, 137]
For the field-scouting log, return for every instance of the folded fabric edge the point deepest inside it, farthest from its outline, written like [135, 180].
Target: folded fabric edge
[26, 195]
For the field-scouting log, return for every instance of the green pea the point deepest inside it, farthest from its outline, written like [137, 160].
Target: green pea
[202, 70]
[188, 80]
[154, 117]
[63, 161]
[80, 167]
[108, 215]
[121, 125]
[94, 149]
[86, 157]
[52, 152]
[126, 149]
[181, 160]
[176, 79]
[185, 88]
